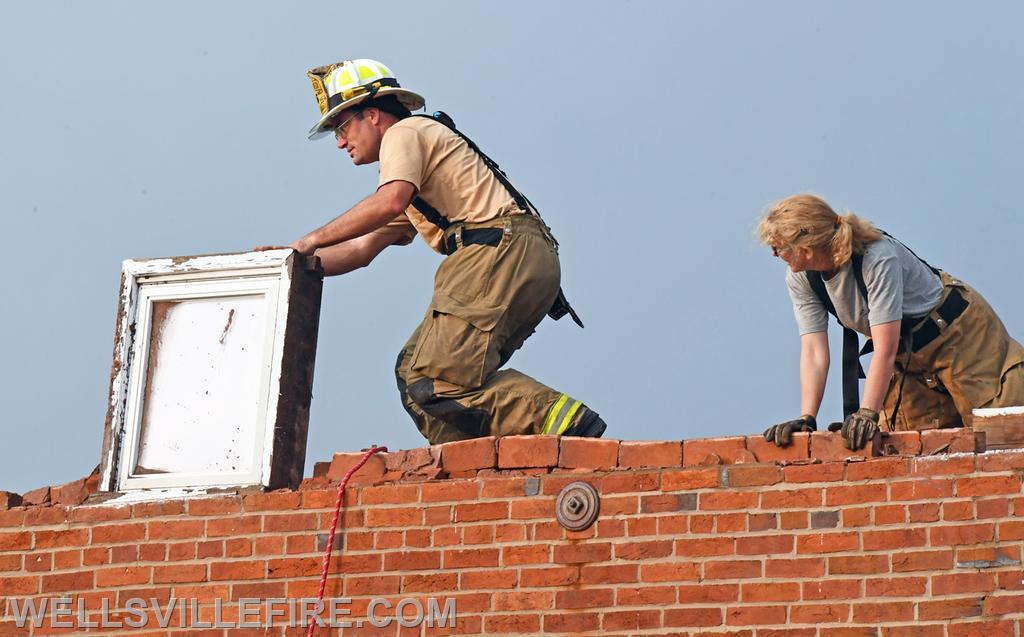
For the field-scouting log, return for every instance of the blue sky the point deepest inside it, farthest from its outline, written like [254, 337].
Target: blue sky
[650, 134]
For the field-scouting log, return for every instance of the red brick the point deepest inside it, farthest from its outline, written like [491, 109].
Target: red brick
[987, 485]
[643, 550]
[884, 612]
[515, 452]
[450, 491]
[670, 572]
[831, 589]
[793, 520]
[428, 582]
[892, 514]
[902, 443]
[1009, 531]
[820, 613]
[770, 592]
[693, 617]
[764, 451]
[549, 576]
[941, 466]
[1003, 604]
[220, 571]
[689, 479]
[921, 489]
[524, 600]
[993, 508]
[827, 542]
[896, 587]
[855, 494]
[174, 529]
[826, 446]
[961, 440]
[589, 598]
[234, 525]
[818, 472]
[755, 615]
[963, 534]
[612, 574]
[469, 558]
[794, 568]
[178, 574]
[67, 582]
[115, 533]
[878, 468]
[730, 450]
[764, 544]
[958, 511]
[20, 585]
[737, 569]
[512, 624]
[469, 455]
[668, 503]
[487, 580]
[630, 620]
[927, 512]
[578, 553]
[158, 509]
[752, 475]
[728, 500]
[858, 564]
[981, 629]
[478, 511]
[791, 499]
[640, 454]
[394, 517]
[894, 540]
[630, 482]
[963, 583]
[904, 561]
[949, 608]
[46, 515]
[575, 622]
[18, 541]
[588, 453]
[1001, 460]
[36, 497]
[370, 472]
[72, 493]
[704, 547]
[123, 576]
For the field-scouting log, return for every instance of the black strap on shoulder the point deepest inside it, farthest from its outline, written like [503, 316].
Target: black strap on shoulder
[431, 213]
[852, 370]
[522, 202]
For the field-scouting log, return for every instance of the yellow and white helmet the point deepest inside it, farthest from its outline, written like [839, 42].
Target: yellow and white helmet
[345, 84]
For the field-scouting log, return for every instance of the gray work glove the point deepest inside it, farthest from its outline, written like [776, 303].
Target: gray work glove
[782, 433]
[858, 428]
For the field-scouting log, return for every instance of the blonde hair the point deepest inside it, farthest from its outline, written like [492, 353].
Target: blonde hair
[808, 221]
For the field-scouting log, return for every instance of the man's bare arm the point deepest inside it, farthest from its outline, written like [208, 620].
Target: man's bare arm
[342, 258]
[368, 215]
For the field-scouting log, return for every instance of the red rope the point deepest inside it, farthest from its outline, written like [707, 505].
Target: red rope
[334, 527]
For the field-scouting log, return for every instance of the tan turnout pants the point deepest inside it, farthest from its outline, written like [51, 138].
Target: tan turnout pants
[972, 363]
[487, 300]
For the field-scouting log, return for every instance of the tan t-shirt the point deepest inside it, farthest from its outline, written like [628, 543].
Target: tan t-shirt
[447, 174]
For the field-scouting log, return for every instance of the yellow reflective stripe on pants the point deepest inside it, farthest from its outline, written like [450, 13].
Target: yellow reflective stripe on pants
[560, 415]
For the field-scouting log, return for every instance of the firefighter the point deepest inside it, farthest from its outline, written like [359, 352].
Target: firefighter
[500, 277]
[940, 351]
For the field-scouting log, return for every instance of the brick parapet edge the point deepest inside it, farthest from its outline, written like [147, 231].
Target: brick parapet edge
[725, 536]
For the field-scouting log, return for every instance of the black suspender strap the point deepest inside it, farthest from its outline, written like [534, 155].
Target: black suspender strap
[431, 213]
[852, 371]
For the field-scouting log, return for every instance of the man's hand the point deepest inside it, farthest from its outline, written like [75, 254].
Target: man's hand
[303, 246]
[858, 428]
[782, 433]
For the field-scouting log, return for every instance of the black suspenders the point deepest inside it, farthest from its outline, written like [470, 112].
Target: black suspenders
[434, 216]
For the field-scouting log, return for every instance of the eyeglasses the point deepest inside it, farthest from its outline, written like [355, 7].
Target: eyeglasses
[341, 130]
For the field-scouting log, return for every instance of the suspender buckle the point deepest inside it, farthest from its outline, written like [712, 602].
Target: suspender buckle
[941, 322]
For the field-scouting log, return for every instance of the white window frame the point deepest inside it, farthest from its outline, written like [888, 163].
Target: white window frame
[269, 274]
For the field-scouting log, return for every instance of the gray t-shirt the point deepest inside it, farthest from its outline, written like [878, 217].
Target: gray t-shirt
[898, 284]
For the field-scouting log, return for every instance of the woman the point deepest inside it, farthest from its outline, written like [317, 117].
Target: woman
[949, 351]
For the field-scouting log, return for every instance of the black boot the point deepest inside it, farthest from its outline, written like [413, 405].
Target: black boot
[589, 425]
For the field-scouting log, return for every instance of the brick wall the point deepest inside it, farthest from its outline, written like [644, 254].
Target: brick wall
[918, 536]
